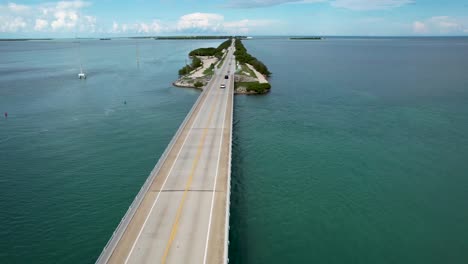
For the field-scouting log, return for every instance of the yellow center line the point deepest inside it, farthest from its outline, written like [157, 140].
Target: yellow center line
[175, 226]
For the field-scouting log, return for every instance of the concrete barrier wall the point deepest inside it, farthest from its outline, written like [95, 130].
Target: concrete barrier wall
[228, 194]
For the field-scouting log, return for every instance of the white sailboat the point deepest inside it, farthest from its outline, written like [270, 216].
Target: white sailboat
[81, 75]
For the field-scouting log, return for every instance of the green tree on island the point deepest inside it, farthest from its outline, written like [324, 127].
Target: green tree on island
[244, 57]
[196, 62]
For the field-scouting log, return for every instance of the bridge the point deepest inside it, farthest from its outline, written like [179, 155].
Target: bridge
[181, 214]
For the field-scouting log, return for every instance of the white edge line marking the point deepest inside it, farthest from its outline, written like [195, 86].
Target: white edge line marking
[215, 180]
[168, 175]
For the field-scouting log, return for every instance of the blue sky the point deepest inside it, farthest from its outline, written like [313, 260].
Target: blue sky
[33, 18]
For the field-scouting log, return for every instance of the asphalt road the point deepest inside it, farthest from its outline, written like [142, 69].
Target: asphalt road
[182, 217]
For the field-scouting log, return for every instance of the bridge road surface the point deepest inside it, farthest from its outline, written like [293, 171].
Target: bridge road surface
[183, 215]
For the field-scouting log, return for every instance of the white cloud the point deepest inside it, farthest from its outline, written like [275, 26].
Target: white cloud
[64, 19]
[69, 17]
[200, 22]
[215, 23]
[365, 5]
[65, 16]
[62, 16]
[419, 27]
[195, 23]
[441, 25]
[17, 8]
[77, 4]
[153, 27]
[115, 28]
[41, 24]
[12, 24]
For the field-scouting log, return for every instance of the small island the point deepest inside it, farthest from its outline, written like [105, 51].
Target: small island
[203, 62]
[25, 39]
[306, 38]
[250, 77]
[192, 37]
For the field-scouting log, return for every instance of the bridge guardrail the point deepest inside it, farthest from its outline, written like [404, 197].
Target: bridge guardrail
[228, 191]
[123, 224]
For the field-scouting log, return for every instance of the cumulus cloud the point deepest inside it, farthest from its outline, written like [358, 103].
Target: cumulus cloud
[12, 24]
[66, 16]
[441, 25]
[17, 8]
[69, 16]
[419, 27]
[41, 24]
[215, 23]
[62, 16]
[194, 23]
[154, 26]
[200, 22]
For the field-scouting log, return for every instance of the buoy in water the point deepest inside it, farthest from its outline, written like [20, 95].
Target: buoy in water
[6, 114]
[125, 102]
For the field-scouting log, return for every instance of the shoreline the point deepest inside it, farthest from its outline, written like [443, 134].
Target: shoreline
[248, 79]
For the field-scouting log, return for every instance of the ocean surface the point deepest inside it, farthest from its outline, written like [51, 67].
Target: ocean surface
[358, 155]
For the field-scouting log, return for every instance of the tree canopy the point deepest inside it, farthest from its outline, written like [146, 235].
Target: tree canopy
[244, 57]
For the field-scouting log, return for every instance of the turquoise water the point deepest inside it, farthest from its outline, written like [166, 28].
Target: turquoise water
[358, 155]
[72, 154]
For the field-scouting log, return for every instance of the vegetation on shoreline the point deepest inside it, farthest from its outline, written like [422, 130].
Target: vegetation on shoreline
[247, 70]
[195, 37]
[198, 84]
[247, 76]
[196, 62]
[220, 63]
[244, 57]
[217, 52]
[210, 70]
[303, 38]
[203, 52]
[25, 39]
[256, 87]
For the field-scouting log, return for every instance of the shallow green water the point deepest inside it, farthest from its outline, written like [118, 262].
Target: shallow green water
[358, 155]
[72, 154]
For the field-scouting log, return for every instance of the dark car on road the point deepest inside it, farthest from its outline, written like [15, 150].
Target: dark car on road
[226, 76]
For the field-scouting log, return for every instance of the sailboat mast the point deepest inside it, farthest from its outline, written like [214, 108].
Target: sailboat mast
[137, 53]
[81, 75]
[79, 57]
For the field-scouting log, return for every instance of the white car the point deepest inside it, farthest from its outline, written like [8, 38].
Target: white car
[222, 86]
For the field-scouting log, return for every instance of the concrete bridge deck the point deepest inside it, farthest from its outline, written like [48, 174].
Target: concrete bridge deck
[181, 214]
